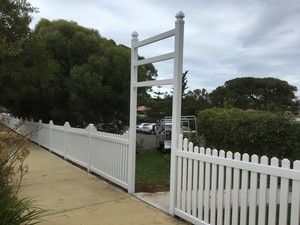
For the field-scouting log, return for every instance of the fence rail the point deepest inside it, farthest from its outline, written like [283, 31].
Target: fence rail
[102, 153]
[214, 187]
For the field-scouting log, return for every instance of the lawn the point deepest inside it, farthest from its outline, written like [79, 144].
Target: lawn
[152, 171]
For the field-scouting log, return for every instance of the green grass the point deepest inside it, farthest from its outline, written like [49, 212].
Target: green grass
[152, 171]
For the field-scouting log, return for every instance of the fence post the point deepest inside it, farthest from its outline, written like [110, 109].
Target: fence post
[40, 127]
[50, 135]
[295, 218]
[66, 127]
[176, 108]
[133, 107]
[91, 129]
[31, 129]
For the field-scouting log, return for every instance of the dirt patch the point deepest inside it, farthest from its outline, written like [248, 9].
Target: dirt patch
[152, 187]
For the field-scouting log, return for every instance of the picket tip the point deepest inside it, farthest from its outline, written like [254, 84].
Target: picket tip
[67, 124]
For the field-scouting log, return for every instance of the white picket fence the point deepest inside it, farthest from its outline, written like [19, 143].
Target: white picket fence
[102, 153]
[214, 187]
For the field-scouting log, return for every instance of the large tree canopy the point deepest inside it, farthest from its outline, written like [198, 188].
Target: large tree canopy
[270, 94]
[15, 17]
[70, 73]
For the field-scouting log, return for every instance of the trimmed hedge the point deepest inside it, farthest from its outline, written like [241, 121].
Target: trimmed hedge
[255, 132]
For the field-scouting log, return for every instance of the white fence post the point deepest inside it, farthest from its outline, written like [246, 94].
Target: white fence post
[176, 108]
[40, 127]
[50, 135]
[91, 129]
[66, 127]
[295, 217]
[133, 107]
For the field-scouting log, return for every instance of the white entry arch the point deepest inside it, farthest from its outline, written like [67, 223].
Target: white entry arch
[176, 82]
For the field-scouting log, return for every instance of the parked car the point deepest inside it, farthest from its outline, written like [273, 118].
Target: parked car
[148, 128]
[139, 127]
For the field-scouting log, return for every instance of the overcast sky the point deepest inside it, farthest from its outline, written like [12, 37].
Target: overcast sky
[224, 39]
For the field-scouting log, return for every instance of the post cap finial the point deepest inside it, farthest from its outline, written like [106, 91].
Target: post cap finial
[134, 34]
[180, 15]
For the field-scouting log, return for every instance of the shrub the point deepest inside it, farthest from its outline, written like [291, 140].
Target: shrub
[13, 152]
[254, 132]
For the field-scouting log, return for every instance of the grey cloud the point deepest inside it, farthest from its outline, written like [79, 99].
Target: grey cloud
[274, 22]
[224, 39]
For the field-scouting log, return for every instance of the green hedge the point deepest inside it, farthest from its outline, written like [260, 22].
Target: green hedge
[256, 132]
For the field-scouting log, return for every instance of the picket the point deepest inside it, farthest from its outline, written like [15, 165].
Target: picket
[207, 187]
[244, 193]
[220, 191]
[262, 193]
[195, 184]
[284, 194]
[228, 191]
[201, 187]
[189, 180]
[179, 178]
[253, 192]
[213, 190]
[235, 191]
[184, 177]
[273, 195]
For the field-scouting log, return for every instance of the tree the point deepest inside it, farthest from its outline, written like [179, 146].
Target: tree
[66, 72]
[270, 94]
[15, 17]
[194, 101]
[184, 86]
[184, 83]
[28, 88]
[93, 80]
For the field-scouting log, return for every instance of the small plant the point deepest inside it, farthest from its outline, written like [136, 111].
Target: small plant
[16, 211]
[13, 152]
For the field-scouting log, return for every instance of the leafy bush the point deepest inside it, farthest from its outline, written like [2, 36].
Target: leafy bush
[254, 132]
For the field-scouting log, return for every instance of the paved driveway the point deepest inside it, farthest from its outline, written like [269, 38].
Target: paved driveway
[149, 141]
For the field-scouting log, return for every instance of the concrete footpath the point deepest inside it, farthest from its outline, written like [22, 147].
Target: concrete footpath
[74, 197]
